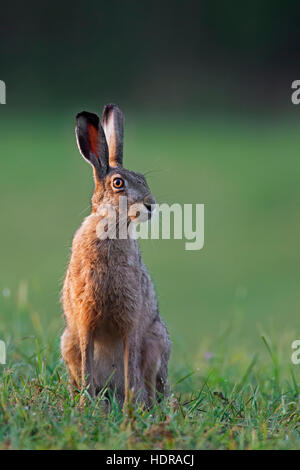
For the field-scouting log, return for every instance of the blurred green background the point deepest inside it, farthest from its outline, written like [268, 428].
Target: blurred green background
[205, 87]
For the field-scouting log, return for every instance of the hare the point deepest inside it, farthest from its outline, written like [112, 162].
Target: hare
[114, 334]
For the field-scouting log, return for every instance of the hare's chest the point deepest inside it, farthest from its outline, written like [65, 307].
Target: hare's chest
[122, 285]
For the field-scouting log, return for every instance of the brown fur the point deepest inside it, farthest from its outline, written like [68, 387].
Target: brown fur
[113, 329]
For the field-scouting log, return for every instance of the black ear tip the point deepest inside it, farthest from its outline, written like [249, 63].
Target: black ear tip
[92, 118]
[109, 108]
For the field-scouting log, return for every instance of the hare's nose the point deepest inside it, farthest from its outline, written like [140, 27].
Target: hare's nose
[149, 203]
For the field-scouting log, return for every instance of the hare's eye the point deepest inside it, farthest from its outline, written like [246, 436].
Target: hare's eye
[118, 183]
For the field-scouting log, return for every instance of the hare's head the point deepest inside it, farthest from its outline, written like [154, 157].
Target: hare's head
[101, 144]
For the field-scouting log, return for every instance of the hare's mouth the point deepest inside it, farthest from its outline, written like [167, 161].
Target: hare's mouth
[141, 212]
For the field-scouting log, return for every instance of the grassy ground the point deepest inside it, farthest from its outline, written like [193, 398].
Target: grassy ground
[232, 400]
[230, 389]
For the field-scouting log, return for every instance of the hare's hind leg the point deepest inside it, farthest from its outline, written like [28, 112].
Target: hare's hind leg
[155, 357]
[162, 385]
[70, 350]
[126, 371]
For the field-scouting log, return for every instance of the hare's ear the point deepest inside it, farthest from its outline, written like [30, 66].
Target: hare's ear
[92, 142]
[113, 125]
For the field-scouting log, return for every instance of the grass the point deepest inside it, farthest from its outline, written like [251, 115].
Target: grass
[230, 401]
[232, 309]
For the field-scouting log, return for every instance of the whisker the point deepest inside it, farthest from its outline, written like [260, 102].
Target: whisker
[157, 170]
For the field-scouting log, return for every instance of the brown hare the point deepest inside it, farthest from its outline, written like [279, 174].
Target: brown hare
[114, 333]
